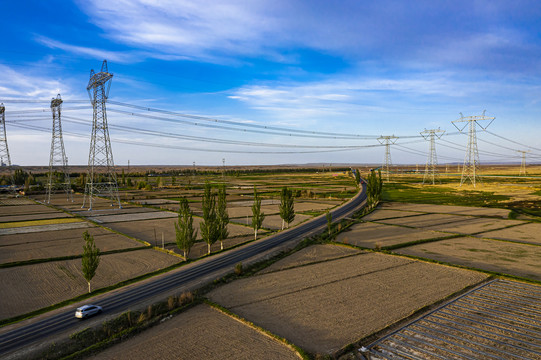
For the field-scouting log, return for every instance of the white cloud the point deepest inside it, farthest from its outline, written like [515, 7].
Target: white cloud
[15, 84]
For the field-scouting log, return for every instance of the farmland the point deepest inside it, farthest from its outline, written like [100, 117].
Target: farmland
[386, 268]
[41, 245]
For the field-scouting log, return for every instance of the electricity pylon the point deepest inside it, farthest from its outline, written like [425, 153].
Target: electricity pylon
[58, 154]
[101, 179]
[387, 141]
[431, 172]
[523, 164]
[5, 159]
[470, 170]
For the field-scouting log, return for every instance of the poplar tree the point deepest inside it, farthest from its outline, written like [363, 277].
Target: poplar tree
[287, 209]
[90, 259]
[223, 216]
[257, 215]
[185, 232]
[209, 226]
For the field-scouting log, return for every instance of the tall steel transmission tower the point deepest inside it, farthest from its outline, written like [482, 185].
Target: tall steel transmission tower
[470, 170]
[523, 164]
[431, 171]
[5, 159]
[58, 155]
[4, 150]
[101, 179]
[387, 141]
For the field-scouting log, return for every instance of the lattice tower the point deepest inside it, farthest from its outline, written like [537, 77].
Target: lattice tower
[101, 179]
[470, 170]
[523, 164]
[387, 141]
[57, 179]
[431, 171]
[5, 159]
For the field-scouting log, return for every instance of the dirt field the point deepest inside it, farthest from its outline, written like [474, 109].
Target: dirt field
[43, 228]
[30, 246]
[446, 209]
[26, 209]
[371, 235]
[151, 230]
[273, 222]
[381, 214]
[311, 254]
[200, 333]
[323, 307]
[505, 257]
[147, 215]
[527, 233]
[32, 287]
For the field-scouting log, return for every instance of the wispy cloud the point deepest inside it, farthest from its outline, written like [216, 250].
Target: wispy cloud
[99, 54]
[15, 84]
[413, 34]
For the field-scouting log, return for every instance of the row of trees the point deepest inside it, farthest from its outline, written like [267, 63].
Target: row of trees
[216, 218]
[374, 188]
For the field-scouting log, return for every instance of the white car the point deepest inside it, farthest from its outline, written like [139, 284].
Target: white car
[87, 310]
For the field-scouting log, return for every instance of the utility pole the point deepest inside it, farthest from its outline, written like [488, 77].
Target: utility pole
[387, 141]
[470, 170]
[523, 164]
[101, 167]
[4, 150]
[431, 171]
[223, 168]
[58, 153]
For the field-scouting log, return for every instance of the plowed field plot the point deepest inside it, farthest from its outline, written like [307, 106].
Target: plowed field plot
[381, 214]
[447, 209]
[26, 210]
[200, 333]
[32, 287]
[325, 306]
[499, 320]
[311, 254]
[528, 233]
[492, 255]
[40, 228]
[15, 201]
[151, 230]
[371, 235]
[273, 222]
[134, 216]
[452, 223]
[51, 244]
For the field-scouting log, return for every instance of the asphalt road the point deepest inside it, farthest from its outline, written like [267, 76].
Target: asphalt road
[123, 300]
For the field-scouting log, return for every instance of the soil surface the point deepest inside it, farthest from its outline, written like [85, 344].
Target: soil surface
[323, 307]
[200, 333]
[311, 254]
[51, 244]
[528, 233]
[32, 287]
[504, 257]
[372, 235]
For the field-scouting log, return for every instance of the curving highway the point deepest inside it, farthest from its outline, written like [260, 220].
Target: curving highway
[175, 281]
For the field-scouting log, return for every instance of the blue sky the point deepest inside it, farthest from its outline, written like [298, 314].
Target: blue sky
[350, 67]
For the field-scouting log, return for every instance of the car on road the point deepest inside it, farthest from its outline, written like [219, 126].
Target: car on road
[87, 310]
